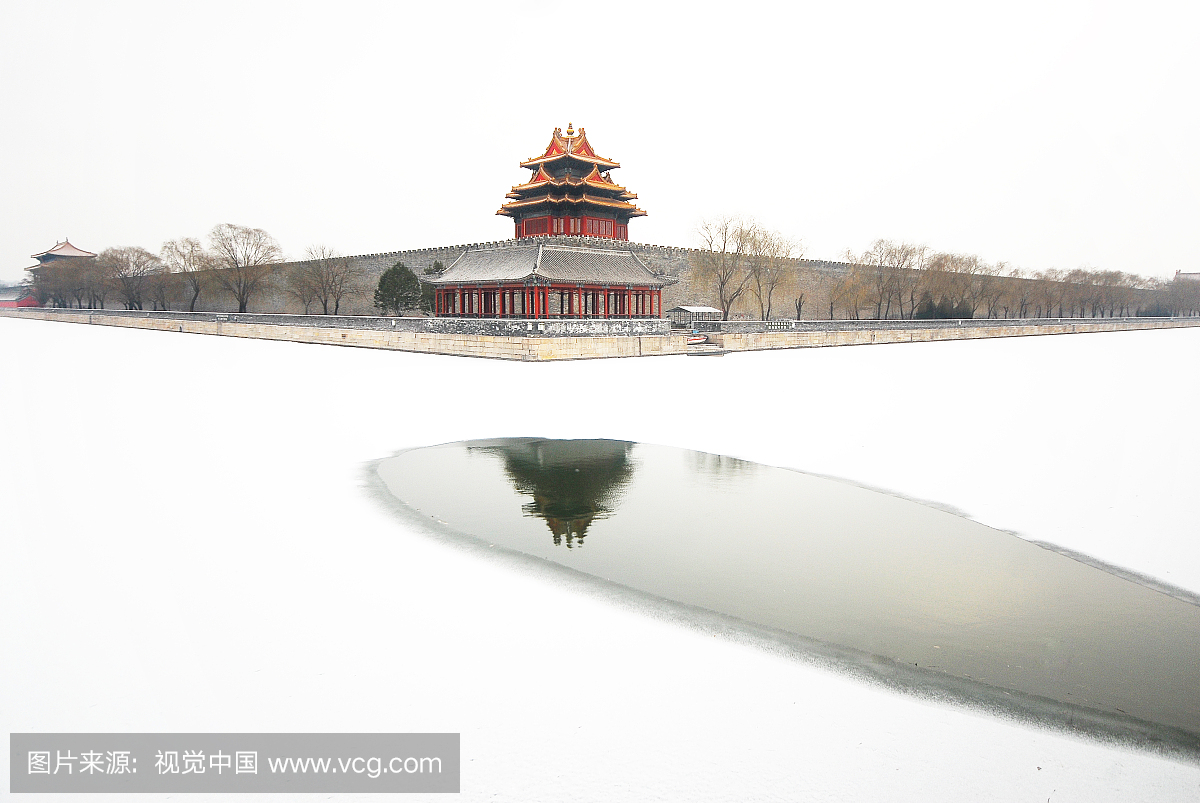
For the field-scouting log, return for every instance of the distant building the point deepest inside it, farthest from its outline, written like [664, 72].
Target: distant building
[548, 271]
[11, 297]
[1192, 277]
[49, 271]
[60, 255]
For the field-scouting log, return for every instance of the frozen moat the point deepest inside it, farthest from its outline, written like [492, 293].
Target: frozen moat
[911, 594]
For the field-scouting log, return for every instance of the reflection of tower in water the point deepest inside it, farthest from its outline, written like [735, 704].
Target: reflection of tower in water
[572, 482]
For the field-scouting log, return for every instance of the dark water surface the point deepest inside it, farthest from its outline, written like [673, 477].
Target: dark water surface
[829, 562]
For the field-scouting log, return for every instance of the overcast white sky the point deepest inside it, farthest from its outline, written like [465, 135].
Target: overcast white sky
[1047, 134]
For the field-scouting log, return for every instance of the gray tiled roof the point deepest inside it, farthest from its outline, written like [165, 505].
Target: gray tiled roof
[13, 293]
[550, 262]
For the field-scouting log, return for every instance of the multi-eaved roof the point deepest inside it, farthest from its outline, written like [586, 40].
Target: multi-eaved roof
[545, 262]
[570, 148]
[569, 178]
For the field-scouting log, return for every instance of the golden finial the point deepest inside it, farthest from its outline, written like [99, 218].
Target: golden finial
[570, 129]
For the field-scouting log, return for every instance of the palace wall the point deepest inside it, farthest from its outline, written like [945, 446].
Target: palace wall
[671, 262]
[811, 282]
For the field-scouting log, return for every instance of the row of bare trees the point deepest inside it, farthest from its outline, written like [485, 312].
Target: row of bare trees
[325, 278]
[741, 258]
[236, 262]
[132, 274]
[743, 266]
[903, 280]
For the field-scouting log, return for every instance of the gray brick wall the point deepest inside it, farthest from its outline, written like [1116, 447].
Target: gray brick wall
[668, 261]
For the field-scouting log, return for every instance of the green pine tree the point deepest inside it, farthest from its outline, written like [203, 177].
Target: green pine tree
[398, 290]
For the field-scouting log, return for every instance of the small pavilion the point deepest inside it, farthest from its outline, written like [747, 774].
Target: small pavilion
[558, 265]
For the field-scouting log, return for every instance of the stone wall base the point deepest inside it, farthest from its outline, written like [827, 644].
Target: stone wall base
[530, 349]
[754, 341]
[538, 349]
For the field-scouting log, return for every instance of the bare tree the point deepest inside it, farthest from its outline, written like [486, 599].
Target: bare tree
[62, 286]
[130, 269]
[187, 258]
[1015, 298]
[770, 255]
[1050, 291]
[848, 292]
[954, 278]
[992, 287]
[876, 276]
[1181, 295]
[244, 258]
[300, 284]
[163, 288]
[907, 260]
[325, 277]
[723, 261]
[891, 276]
[98, 282]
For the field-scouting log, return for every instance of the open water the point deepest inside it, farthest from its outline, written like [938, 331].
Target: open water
[902, 587]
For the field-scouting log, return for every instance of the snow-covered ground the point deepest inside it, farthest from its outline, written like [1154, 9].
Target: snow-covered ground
[189, 545]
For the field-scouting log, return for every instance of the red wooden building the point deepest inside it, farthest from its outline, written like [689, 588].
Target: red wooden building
[571, 191]
[522, 279]
[549, 271]
[12, 297]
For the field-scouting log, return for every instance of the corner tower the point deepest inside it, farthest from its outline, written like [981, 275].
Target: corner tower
[570, 192]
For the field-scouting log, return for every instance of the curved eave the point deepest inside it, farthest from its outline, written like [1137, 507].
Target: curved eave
[527, 203]
[606, 185]
[528, 279]
[60, 251]
[533, 164]
[567, 182]
[534, 279]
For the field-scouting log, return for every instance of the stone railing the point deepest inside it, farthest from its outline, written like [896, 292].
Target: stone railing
[502, 327]
[568, 339]
[749, 327]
